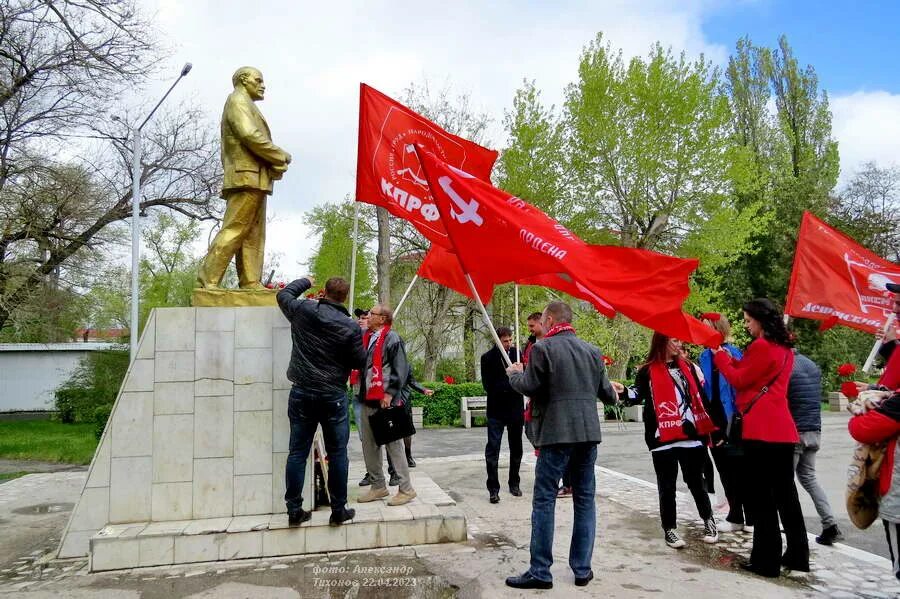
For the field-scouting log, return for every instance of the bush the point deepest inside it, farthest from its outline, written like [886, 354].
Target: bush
[101, 415]
[94, 384]
[442, 408]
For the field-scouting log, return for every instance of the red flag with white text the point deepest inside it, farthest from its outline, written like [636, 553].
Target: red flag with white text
[388, 172]
[503, 238]
[836, 280]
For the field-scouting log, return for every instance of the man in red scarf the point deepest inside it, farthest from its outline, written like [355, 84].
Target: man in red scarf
[564, 379]
[384, 384]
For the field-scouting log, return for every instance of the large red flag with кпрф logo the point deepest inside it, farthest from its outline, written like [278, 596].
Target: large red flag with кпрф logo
[388, 172]
[839, 281]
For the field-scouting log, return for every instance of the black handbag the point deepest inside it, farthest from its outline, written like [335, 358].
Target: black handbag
[391, 424]
[734, 432]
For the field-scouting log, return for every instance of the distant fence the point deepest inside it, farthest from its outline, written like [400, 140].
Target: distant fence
[30, 372]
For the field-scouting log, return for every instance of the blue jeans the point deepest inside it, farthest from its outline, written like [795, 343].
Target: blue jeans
[551, 464]
[306, 411]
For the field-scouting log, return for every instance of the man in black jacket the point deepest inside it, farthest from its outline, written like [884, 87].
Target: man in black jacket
[505, 409]
[327, 344]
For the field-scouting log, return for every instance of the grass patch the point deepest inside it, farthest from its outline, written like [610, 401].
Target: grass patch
[5, 476]
[47, 441]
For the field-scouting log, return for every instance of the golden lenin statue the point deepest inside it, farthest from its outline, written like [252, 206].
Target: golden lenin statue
[251, 163]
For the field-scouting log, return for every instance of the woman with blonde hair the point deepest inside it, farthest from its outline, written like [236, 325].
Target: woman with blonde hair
[728, 459]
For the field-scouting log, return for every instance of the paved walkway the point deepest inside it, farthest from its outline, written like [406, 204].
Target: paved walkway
[630, 559]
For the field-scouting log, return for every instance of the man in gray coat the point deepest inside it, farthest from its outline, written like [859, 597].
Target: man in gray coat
[564, 378]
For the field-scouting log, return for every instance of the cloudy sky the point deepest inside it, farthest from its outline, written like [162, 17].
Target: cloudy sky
[314, 55]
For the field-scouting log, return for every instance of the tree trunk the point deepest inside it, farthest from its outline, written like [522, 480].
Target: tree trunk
[434, 332]
[383, 258]
[469, 341]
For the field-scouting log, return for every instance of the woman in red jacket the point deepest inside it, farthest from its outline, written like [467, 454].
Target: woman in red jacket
[769, 435]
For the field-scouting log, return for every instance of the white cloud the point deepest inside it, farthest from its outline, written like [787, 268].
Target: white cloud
[867, 127]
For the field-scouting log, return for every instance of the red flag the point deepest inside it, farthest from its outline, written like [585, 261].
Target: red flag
[442, 267]
[500, 236]
[838, 281]
[388, 172]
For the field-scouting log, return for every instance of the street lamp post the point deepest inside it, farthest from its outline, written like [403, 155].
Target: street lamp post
[136, 209]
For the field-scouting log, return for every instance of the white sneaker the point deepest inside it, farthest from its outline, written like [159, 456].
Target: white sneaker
[673, 540]
[710, 532]
[731, 527]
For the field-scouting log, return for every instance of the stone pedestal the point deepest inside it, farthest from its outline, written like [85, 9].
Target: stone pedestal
[837, 401]
[191, 464]
[417, 418]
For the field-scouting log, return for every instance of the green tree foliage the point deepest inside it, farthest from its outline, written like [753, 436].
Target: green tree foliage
[334, 224]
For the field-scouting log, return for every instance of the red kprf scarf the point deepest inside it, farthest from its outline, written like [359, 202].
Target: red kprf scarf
[554, 330]
[667, 406]
[375, 389]
[354, 374]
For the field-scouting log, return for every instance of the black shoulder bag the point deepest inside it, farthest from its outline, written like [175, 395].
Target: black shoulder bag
[734, 433]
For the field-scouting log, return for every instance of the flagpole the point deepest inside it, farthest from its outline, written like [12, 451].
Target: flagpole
[516, 296]
[487, 319]
[353, 254]
[405, 295]
[871, 359]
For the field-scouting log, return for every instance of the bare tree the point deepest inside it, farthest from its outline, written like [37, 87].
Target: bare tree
[868, 208]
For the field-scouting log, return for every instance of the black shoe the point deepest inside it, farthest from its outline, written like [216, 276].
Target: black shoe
[797, 565]
[366, 481]
[410, 461]
[515, 491]
[527, 581]
[751, 567]
[395, 480]
[582, 582]
[829, 535]
[299, 517]
[339, 517]
[495, 497]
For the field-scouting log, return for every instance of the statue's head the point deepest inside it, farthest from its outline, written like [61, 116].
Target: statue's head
[251, 80]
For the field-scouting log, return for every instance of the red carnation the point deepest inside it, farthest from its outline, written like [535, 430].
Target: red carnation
[849, 389]
[270, 286]
[846, 369]
[281, 285]
[449, 380]
[608, 361]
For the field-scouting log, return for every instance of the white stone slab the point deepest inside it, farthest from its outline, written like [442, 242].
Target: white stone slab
[252, 365]
[326, 538]
[174, 366]
[212, 387]
[156, 529]
[99, 476]
[281, 425]
[121, 531]
[175, 329]
[405, 532]
[198, 548]
[173, 398]
[156, 551]
[140, 376]
[281, 357]
[130, 489]
[173, 442]
[253, 443]
[424, 510]
[147, 342]
[277, 521]
[284, 541]
[207, 526]
[213, 427]
[114, 554]
[213, 487]
[215, 319]
[131, 433]
[365, 535]
[395, 512]
[249, 523]
[92, 511]
[252, 494]
[215, 355]
[253, 396]
[368, 512]
[253, 327]
[76, 543]
[279, 462]
[172, 501]
[242, 545]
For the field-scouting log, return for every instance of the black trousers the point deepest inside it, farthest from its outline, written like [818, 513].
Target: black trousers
[666, 463]
[492, 452]
[772, 493]
[730, 465]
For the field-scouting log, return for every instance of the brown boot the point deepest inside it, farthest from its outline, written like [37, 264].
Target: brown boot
[373, 494]
[402, 498]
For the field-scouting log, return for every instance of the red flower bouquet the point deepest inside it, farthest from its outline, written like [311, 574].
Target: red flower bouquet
[449, 380]
[848, 387]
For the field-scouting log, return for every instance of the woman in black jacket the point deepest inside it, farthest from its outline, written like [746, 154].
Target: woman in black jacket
[678, 422]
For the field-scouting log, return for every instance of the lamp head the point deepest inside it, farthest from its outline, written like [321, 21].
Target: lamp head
[186, 69]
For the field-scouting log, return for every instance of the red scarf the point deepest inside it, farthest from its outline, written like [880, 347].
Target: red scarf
[890, 378]
[375, 388]
[354, 374]
[667, 406]
[555, 329]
